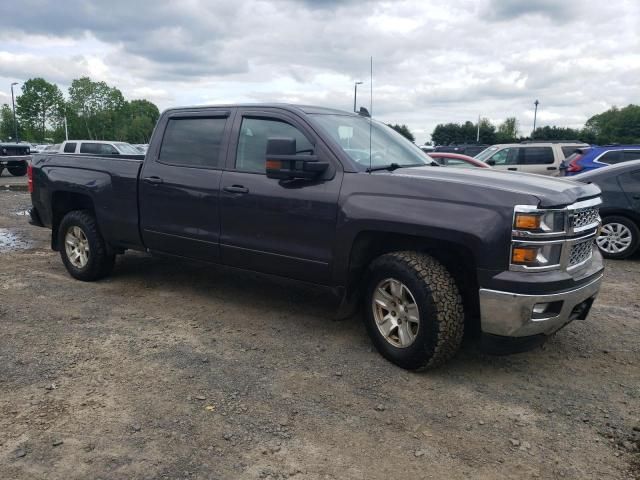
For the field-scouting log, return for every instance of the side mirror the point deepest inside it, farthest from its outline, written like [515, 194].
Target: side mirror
[283, 162]
[491, 162]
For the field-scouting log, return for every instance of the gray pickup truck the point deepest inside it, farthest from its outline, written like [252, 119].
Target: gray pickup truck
[333, 198]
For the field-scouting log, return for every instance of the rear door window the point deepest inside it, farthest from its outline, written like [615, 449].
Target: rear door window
[506, 156]
[69, 147]
[630, 155]
[193, 142]
[92, 148]
[536, 156]
[611, 157]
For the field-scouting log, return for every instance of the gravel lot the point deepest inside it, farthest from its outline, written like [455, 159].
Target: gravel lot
[174, 370]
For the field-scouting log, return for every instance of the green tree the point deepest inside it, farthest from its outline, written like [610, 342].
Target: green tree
[96, 111]
[143, 116]
[403, 130]
[7, 129]
[555, 133]
[40, 105]
[508, 131]
[616, 125]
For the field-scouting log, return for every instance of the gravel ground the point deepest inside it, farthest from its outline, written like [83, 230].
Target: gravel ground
[174, 370]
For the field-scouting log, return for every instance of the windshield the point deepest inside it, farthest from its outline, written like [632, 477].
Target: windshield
[127, 148]
[387, 146]
[486, 153]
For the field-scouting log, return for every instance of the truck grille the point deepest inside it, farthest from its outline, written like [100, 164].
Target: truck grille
[10, 151]
[585, 216]
[580, 252]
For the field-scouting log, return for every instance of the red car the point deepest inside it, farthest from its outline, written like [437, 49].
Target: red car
[447, 159]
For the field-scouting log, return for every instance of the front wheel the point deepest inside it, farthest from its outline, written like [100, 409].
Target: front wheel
[19, 170]
[82, 248]
[619, 237]
[413, 310]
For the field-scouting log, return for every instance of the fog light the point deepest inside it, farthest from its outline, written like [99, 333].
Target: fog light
[524, 254]
[540, 307]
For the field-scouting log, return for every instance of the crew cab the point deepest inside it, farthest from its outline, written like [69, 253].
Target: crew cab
[15, 157]
[334, 198]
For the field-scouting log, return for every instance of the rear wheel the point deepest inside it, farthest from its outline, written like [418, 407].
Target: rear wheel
[1, 169]
[619, 237]
[413, 310]
[82, 248]
[19, 170]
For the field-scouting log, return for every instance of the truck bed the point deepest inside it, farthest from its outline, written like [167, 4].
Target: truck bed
[109, 182]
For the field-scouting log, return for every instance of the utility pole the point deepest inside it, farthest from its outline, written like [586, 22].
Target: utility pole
[535, 115]
[13, 104]
[355, 94]
[66, 130]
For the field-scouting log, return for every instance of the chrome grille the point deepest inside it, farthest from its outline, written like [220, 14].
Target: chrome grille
[581, 252]
[585, 216]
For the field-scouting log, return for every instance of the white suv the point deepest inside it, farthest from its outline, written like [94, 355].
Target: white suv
[98, 147]
[543, 158]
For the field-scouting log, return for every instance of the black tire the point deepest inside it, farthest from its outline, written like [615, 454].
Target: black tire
[19, 170]
[100, 263]
[1, 169]
[635, 237]
[440, 309]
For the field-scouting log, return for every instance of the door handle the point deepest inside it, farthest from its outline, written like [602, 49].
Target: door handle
[551, 168]
[512, 168]
[153, 180]
[236, 189]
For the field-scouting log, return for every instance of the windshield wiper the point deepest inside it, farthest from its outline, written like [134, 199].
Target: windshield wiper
[394, 166]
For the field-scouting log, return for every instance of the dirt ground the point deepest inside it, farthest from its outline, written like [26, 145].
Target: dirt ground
[173, 370]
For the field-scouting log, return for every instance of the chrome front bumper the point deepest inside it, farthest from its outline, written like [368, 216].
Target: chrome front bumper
[512, 314]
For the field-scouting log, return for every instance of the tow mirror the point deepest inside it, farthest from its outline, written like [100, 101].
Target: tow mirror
[284, 162]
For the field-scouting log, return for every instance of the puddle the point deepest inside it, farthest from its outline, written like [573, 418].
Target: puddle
[9, 241]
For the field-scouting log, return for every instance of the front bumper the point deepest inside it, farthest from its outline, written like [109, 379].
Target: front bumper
[13, 159]
[511, 314]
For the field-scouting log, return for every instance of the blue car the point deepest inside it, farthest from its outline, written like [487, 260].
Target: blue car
[589, 158]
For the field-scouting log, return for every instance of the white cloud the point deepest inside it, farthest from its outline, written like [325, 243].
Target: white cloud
[437, 61]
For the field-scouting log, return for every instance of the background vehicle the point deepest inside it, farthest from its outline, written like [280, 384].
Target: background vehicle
[426, 148]
[589, 158]
[544, 158]
[141, 147]
[98, 147]
[620, 210]
[339, 200]
[15, 157]
[447, 159]
[471, 149]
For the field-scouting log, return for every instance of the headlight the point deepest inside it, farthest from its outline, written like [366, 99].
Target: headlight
[541, 222]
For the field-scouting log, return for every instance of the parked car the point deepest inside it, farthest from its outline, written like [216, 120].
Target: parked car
[470, 149]
[426, 148]
[589, 158]
[336, 199]
[50, 148]
[15, 157]
[447, 159]
[543, 158]
[620, 209]
[141, 147]
[98, 147]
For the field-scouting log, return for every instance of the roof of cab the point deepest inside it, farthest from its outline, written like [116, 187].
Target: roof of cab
[305, 109]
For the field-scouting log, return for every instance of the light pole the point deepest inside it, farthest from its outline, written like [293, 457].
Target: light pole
[535, 115]
[355, 94]
[13, 104]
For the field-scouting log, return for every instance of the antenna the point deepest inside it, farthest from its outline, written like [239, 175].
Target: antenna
[370, 110]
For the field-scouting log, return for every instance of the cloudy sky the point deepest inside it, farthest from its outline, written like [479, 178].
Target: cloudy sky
[434, 61]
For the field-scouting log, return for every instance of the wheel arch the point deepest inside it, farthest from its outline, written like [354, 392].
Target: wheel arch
[457, 258]
[63, 202]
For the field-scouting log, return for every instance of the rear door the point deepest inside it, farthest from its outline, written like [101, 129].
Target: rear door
[277, 226]
[179, 184]
[540, 160]
[630, 183]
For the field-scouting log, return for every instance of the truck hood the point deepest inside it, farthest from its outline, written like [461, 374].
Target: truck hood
[550, 191]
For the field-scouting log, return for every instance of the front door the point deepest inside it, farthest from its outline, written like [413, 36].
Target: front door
[277, 226]
[180, 182]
